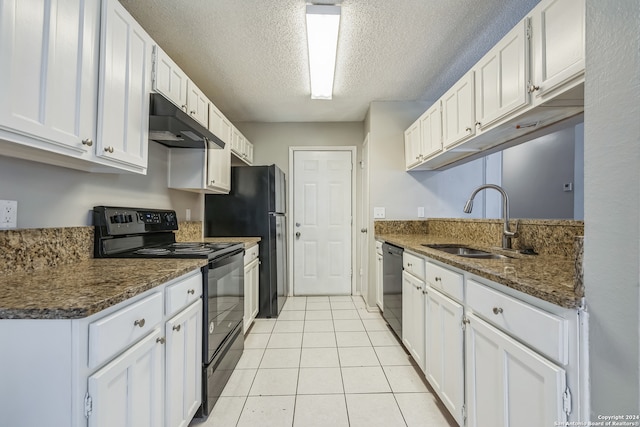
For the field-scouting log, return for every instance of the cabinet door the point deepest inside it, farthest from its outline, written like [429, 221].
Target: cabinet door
[49, 71]
[125, 86]
[169, 79]
[413, 317]
[235, 142]
[431, 132]
[128, 391]
[379, 281]
[183, 366]
[509, 385]
[412, 145]
[219, 169]
[197, 104]
[248, 149]
[501, 77]
[458, 112]
[558, 28]
[255, 288]
[444, 366]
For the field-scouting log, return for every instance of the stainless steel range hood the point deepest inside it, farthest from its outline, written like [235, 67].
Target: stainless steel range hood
[171, 126]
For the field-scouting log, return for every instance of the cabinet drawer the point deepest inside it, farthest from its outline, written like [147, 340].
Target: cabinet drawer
[183, 293]
[117, 331]
[251, 254]
[448, 281]
[539, 329]
[413, 264]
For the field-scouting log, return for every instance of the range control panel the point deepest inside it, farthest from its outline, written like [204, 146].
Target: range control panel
[118, 221]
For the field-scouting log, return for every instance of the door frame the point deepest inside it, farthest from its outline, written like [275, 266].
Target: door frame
[290, 230]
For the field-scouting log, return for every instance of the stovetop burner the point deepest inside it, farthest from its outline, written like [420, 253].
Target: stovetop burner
[153, 251]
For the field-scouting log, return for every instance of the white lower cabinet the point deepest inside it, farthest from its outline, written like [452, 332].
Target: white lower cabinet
[379, 264]
[135, 364]
[444, 350]
[183, 383]
[127, 392]
[251, 287]
[413, 317]
[508, 384]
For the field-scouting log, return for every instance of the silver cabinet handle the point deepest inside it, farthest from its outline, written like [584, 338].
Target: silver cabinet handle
[88, 142]
[213, 181]
[363, 230]
[108, 149]
[497, 310]
[184, 108]
[192, 112]
[191, 291]
[176, 328]
[140, 322]
[533, 88]
[478, 124]
[160, 340]
[468, 129]
[438, 279]
[409, 264]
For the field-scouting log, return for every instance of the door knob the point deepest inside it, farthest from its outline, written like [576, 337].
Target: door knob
[297, 234]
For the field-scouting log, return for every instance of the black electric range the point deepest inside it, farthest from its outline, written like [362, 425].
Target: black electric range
[149, 233]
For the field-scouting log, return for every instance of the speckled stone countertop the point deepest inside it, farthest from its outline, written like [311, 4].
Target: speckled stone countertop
[248, 241]
[548, 277]
[78, 290]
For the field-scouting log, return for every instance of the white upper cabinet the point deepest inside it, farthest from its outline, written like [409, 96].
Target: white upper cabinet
[412, 145]
[431, 131]
[558, 28]
[169, 79]
[219, 160]
[197, 104]
[241, 148]
[502, 76]
[458, 115]
[125, 86]
[49, 73]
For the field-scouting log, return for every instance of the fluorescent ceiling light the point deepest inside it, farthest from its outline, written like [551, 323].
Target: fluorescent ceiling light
[323, 22]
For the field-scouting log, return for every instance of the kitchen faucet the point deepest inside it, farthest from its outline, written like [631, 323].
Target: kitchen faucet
[506, 234]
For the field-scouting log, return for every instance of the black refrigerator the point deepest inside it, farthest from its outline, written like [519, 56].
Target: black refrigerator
[256, 207]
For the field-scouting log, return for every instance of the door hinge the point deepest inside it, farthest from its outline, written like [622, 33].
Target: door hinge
[566, 401]
[528, 31]
[361, 164]
[88, 405]
[464, 414]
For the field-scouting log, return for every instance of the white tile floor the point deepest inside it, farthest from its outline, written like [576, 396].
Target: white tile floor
[325, 361]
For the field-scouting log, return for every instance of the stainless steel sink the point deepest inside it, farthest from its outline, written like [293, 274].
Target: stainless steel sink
[465, 251]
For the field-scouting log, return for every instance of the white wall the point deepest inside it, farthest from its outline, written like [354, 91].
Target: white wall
[271, 141]
[612, 204]
[51, 196]
[442, 194]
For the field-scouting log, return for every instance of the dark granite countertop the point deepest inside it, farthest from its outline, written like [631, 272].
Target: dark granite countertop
[80, 289]
[548, 277]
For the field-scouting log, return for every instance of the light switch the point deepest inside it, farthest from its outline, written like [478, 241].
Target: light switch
[379, 213]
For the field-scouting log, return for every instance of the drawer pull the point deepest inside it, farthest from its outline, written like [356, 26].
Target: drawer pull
[140, 323]
[438, 279]
[176, 328]
[497, 310]
[409, 264]
[161, 340]
[191, 291]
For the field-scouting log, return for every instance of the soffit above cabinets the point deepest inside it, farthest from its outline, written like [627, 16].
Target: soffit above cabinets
[250, 57]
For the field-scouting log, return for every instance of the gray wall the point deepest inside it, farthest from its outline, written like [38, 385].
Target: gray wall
[612, 204]
[533, 175]
[51, 196]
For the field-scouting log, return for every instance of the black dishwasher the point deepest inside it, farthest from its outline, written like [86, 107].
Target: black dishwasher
[392, 286]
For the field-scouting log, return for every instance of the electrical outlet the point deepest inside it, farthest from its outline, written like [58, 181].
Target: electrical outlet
[379, 213]
[8, 214]
[567, 187]
[421, 212]
[187, 215]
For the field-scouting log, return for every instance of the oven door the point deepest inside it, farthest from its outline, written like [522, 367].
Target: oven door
[223, 302]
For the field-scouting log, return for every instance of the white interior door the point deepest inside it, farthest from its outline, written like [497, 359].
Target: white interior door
[322, 220]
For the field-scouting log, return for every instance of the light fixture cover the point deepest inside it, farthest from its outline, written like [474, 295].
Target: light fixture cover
[323, 23]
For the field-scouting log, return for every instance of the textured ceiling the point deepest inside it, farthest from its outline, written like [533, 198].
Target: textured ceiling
[250, 57]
